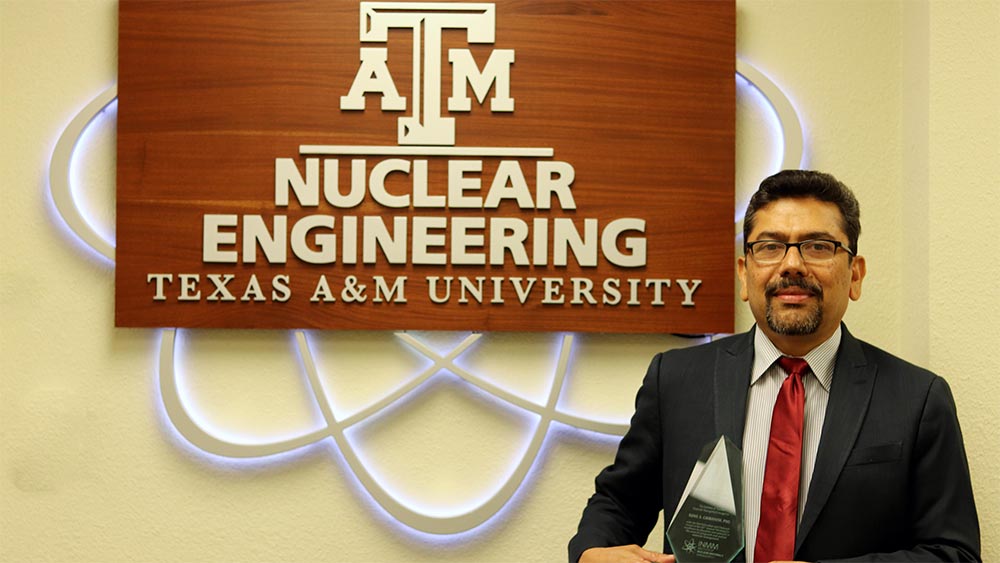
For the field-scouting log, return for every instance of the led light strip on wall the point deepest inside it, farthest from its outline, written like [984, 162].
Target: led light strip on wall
[334, 427]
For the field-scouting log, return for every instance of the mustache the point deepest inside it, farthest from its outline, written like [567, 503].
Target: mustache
[784, 283]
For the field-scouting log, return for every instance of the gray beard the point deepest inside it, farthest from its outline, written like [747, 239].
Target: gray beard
[797, 325]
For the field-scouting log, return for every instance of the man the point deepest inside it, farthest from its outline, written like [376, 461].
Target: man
[875, 468]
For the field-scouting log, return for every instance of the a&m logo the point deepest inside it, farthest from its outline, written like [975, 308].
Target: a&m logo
[426, 20]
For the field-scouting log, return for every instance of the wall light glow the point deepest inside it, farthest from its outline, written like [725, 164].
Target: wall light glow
[526, 420]
[782, 124]
[791, 127]
[60, 174]
[423, 519]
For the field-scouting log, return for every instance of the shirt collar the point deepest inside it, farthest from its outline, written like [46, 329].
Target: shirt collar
[821, 359]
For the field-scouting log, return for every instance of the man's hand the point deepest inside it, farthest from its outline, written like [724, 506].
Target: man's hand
[624, 554]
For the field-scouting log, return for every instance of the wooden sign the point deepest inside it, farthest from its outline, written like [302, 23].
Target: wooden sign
[511, 165]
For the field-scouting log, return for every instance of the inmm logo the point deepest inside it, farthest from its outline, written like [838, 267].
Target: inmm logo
[426, 126]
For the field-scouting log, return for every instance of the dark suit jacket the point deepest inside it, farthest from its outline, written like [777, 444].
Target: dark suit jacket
[891, 481]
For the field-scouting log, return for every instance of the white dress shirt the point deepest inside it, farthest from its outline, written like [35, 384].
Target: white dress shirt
[766, 378]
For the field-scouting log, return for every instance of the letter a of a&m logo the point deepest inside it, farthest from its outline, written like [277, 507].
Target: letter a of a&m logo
[426, 126]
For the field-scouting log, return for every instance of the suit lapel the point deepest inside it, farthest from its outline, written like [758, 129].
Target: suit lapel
[850, 394]
[732, 381]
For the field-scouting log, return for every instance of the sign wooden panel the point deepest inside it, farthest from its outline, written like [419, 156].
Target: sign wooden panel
[514, 165]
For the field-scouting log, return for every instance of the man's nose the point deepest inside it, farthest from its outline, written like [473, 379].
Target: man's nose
[793, 263]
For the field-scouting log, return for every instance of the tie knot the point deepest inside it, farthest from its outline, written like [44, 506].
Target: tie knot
[793, 366]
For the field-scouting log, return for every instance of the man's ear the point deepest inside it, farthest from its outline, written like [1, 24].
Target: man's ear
[858, 270]
[741, 270]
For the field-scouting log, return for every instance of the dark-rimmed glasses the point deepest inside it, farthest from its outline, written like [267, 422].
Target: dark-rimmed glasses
[812, 251]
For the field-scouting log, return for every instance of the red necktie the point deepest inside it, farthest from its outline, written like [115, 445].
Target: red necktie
[779, 500]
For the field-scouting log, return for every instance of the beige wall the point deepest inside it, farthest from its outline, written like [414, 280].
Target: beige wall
[899, 99]
[963, 197]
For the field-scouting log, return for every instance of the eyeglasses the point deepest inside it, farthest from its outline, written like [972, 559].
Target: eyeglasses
[812, 251]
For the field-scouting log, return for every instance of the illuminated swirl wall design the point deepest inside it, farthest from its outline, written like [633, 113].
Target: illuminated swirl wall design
[333, 427]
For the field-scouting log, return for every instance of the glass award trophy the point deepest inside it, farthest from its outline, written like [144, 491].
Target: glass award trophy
[708, 522]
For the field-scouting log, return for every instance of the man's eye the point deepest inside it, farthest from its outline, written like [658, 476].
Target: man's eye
[770, 247]
[819, 247]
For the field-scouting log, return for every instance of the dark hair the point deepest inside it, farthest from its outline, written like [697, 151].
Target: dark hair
[803, 184]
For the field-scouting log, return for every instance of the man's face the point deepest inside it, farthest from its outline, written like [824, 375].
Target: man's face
[799, 305]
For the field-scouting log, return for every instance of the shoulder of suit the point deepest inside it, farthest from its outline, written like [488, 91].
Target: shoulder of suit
[888, 363]
[730, 343]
